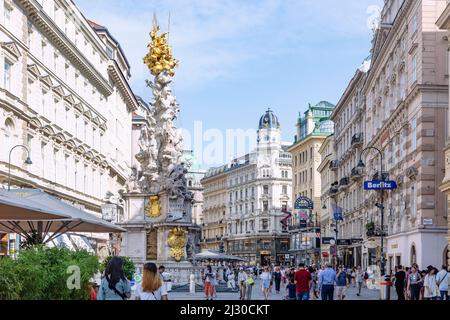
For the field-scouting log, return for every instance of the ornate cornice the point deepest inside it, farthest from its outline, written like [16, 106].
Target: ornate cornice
[39, 17]
[122, 85]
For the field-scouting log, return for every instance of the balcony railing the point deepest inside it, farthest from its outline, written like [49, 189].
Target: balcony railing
[357, 140]
[344, 182]
[334, 165]
[356, 173]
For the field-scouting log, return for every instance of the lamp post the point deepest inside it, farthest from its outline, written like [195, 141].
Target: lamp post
[27, 161]
[362, 166]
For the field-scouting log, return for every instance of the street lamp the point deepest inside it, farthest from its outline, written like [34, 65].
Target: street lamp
[362, 166]
[27, 161]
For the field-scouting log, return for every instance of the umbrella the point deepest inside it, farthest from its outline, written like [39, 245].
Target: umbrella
[63, 217]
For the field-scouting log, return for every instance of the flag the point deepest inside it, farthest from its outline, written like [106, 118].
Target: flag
[337, 213]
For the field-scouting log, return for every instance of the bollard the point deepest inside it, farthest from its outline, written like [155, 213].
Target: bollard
[385, 288]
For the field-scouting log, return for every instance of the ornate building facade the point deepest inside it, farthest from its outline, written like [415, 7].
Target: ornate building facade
[253, 192]
[347, 190]
[312, 129]
[64, 95]
[444, 24]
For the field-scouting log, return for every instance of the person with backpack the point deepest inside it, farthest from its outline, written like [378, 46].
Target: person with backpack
[152, 286]
[114, 285]
[442, 280]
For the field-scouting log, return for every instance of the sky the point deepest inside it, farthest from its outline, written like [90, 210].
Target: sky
[240, 57]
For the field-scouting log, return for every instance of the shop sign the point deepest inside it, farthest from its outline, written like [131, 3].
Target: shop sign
[265, 253]
[344, 242]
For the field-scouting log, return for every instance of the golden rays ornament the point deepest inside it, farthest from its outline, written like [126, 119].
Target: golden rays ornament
[159, 57]
[176, 241]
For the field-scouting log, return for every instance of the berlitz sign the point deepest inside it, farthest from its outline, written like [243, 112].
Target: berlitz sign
[380, 185]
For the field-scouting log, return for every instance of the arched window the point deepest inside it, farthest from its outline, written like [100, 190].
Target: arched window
[9, 133]
[413, 255]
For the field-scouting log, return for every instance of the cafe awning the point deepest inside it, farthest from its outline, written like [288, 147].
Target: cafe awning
[48, 214]
[216, 256]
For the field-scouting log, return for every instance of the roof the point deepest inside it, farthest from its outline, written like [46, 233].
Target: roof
[269, 120]
[99, 28]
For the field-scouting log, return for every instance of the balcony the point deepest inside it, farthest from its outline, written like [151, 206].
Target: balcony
[356, 173]
[357, 140]
[334, 165]
[384, 176]
[334, 188]
[344, 182]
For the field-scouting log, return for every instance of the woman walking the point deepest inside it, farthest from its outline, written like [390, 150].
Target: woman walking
[152, 287]
[414, 283]
[209, 281]
[114, 285]
[431, 290]
[266, 279]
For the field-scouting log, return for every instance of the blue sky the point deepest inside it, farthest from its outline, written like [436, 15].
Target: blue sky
[239, 57]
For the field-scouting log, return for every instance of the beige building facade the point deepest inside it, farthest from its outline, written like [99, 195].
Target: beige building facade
[444, 24]
[406, 94]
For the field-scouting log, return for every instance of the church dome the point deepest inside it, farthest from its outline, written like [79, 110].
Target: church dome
[269, 121]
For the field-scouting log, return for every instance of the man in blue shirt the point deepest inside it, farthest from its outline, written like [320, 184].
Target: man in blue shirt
[327, 279]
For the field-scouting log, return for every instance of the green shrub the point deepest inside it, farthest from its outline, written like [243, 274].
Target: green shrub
[41, 273]
[128, 266]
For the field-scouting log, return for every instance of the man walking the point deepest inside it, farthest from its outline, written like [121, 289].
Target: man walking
[442, 281]
[303, 281]
[359, 278]
[327, 279]
[341, 283]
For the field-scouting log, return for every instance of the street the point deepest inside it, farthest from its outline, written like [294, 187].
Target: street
[257, 294]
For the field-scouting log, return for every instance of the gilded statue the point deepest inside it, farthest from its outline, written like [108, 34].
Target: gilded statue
[160, 56]
[176, 241]
[153, 209]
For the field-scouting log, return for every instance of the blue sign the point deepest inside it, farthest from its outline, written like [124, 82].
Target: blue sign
[338, 213]
[304, 203]
[380, 185]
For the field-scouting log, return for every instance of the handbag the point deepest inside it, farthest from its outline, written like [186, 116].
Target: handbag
[250, 281]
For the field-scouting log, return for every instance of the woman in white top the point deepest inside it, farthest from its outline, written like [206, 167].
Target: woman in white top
[266, 277]
[151, 287]
[431, 290]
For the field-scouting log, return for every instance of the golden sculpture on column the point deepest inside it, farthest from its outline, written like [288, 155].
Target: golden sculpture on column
[160, 56]
[176, 241]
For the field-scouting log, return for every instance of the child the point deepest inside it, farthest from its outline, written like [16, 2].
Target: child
[291, 290]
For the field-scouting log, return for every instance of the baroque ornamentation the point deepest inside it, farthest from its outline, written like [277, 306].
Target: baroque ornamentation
[177, 241]
[153, 209]
[159, 57]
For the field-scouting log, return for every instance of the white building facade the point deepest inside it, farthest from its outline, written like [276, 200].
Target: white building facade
[258, 192]
[64, 94]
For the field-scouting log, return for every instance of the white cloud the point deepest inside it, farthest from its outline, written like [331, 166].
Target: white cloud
[214, 39]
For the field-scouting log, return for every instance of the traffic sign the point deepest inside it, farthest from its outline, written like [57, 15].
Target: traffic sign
[380, 185]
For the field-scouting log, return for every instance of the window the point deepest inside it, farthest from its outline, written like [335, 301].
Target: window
[7, 15]
[414, 69]
[414, 24]
[413, 201]
[266, 189]
[413, 134]
[7, 75]
[264, 224]
[265, 206]
[284, 190]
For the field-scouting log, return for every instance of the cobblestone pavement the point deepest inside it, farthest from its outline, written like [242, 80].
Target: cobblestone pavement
[257, 294]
